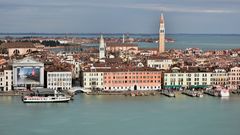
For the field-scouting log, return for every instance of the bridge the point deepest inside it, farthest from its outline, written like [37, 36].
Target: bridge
[79, 89]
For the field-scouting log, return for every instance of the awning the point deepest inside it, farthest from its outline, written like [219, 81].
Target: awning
[199, 86]
[173, 86]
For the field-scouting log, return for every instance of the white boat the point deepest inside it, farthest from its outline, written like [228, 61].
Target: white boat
[46, 99]
[190, 93]
[224, 93]
[168, 93]
[200, 94]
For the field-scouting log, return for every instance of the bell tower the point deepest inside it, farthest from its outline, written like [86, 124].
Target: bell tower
[161, 46]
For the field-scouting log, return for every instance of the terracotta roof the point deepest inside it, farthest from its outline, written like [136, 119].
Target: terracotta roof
[6, 67]
[192, 70]
[148, 49]
[123, 69]
[58, 67]
[18, 45]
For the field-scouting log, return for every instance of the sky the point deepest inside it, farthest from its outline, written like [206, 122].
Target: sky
[120, 16]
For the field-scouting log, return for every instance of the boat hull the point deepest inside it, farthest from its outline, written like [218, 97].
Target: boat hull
[224, 94]
[45, 99]
[49, 101]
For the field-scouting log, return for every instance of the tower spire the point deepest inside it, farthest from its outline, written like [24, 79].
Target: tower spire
[161, 46]
[101, 48]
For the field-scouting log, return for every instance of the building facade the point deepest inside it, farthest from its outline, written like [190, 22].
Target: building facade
[122, 47]
[122, 79]
[160, 63]
[61, 80]
[6, 80]
[17, 48]
[220, 77]
[93, 79]
[132, 80]
[177, 79]
[234, 77]
[27, 74]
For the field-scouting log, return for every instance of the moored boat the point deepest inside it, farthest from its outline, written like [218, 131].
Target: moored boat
[190, 93]
[168, 93]
[211, 92]
[46, 98]
[199, 94]
[224, 93]
[218, 91]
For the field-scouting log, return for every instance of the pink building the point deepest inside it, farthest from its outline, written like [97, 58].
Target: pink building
[132, 79]
[234, 77]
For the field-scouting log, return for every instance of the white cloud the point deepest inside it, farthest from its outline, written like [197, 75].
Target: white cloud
[172, 8]
[160, 6]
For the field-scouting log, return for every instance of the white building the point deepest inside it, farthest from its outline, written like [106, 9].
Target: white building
[6, 81]
[27, 74]
[234, 77]
[220, 77]
[93, 80]
[102, 46]
[61, 80]
[160, 63]
[68, 58]
[177, 79]
[77, 69]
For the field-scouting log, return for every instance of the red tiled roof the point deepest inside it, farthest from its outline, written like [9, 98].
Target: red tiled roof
[17, 45]
[122, 69]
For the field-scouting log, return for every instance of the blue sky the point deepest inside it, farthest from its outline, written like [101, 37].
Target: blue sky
[120, 16]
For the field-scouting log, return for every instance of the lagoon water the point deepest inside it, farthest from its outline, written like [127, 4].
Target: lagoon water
[202, 41]
[120, 115]
[183, 41]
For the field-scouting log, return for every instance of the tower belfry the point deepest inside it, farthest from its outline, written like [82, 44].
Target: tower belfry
[161, 46]
[102, 48]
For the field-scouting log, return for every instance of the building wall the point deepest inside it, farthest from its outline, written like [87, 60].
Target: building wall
[59, 80]
[234, 77]
[22, 51]
[188, 79]
[132, 80]
[27, 63]
[77, 69]
[220, 77]
[6, 80]
[160, 64]
[93, 80]
[132, 49]
[148, 52]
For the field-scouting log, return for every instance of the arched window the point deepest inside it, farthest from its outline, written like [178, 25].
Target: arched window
[16, 52]
[29, 51]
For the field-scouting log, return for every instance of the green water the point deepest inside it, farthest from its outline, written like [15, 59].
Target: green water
[120, 115]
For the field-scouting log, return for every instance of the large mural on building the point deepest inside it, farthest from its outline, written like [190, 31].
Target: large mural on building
[28, 75]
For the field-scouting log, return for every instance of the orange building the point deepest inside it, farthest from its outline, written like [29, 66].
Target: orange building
[132, 79]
